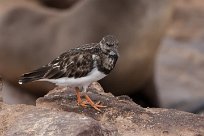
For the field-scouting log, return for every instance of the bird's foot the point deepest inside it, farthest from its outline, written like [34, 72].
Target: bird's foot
[96, 106]
[80, 102]
[88, 101]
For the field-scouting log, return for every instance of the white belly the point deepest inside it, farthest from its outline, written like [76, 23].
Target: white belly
[93, 76]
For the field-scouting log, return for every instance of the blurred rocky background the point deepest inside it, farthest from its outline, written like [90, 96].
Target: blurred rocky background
[180, 61]
[35, 32]
[161, 51]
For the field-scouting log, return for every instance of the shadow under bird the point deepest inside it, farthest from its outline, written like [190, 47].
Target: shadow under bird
[79, 67]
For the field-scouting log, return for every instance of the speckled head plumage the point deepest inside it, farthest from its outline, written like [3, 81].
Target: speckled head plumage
[109, 44]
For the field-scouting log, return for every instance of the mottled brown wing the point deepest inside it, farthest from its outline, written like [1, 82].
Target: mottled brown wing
[70, 64]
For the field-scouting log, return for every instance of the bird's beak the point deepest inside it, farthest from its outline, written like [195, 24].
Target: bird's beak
[115, 52]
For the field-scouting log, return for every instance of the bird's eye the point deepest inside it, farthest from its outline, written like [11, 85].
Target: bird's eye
[109, 44]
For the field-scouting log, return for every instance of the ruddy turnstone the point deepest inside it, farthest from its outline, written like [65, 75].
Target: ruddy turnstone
[79, 67]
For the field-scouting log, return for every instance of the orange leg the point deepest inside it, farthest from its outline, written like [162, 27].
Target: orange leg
[79, 101]
[88, 101]
[94, 105]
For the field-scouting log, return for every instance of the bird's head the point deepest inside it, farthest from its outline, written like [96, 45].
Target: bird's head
[109, 45]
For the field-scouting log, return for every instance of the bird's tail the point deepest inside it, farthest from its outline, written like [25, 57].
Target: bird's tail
[34, 75]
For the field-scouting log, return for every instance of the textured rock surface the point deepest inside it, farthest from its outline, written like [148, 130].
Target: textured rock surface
[29, 120]
[58, 114]
[46, 122]
[48, 32]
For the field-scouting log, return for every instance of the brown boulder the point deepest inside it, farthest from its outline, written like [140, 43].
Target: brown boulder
[48, 122]
[58, 114]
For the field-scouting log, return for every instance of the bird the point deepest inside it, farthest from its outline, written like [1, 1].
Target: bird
[79, 67]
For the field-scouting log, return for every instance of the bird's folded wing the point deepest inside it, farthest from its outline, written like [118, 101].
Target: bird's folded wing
[75, 66]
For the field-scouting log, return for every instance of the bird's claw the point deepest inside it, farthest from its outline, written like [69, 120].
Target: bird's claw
[88, 101]
[82, 103]
[96, 105]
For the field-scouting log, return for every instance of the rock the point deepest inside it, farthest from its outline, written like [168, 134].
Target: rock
[180, 63]
[47, 122]
[48, 32]
[38, 121]
[58, 114]
[128, 117]
[12, 95]
[9, 113]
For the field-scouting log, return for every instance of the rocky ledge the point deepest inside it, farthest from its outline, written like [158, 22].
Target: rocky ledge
[57, 113]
